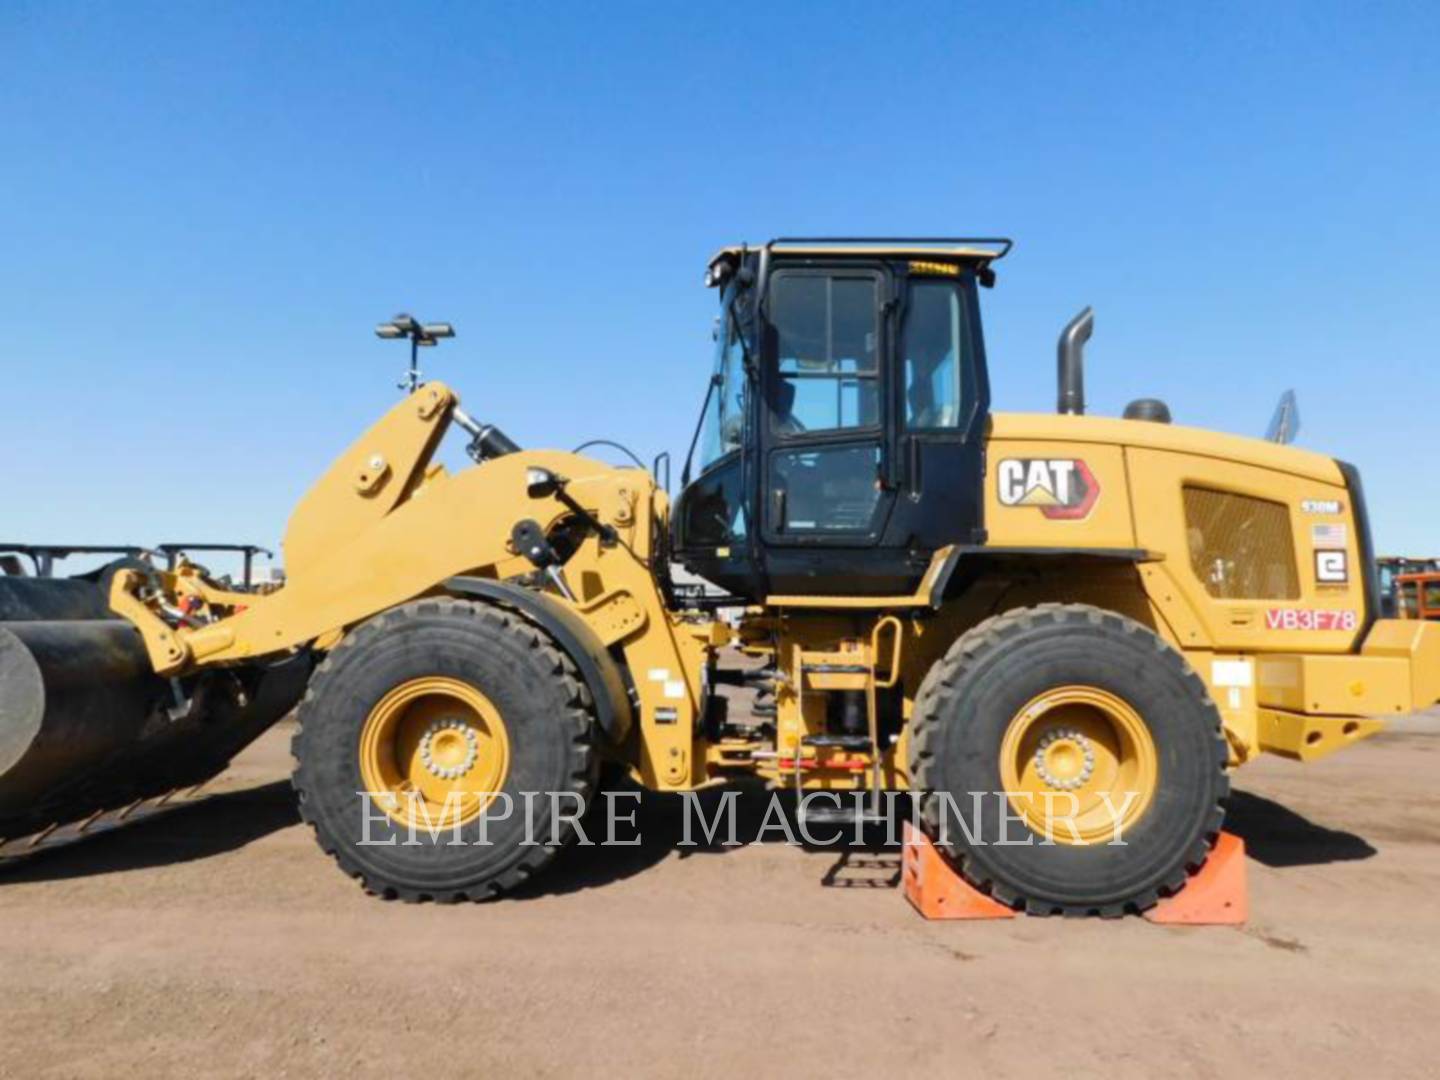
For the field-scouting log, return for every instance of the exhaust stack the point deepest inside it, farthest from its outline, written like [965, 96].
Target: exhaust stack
[1071, 354]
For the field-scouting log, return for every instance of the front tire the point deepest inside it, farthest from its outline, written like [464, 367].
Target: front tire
[446, 712]
[1070, 721]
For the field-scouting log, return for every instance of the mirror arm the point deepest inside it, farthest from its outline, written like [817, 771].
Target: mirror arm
[606, 532]
[700, 423]
[542, 483]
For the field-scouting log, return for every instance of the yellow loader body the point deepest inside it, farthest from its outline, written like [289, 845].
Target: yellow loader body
[1298, 671]
[1090, 619]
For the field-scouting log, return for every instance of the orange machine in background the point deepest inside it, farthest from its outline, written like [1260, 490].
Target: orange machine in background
[1417, 596]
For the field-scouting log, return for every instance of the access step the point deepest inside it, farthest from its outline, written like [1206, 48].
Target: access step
[854, 743]
[844, 814]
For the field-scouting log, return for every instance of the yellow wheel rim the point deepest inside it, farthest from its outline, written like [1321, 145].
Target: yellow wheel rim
[434, 752]
[1078, 763]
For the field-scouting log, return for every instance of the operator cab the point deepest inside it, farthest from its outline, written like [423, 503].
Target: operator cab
[842, 436]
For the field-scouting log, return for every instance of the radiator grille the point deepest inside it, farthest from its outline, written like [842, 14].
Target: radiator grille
[1241, 547]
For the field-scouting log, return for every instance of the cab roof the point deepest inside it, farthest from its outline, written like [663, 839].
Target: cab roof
[974, 251]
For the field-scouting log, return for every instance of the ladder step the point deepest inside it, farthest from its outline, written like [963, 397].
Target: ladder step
[843, 742]
[837, 669]
[841, 815]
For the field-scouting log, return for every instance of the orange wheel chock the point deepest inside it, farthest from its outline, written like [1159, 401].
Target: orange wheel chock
[936, 889]
[1216, 896]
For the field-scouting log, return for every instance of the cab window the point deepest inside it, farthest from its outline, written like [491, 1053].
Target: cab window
[931, 341]
[826, 334]
[724, 423]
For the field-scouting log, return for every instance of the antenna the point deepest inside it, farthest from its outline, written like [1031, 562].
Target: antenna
[426, 334]
[1285, 424]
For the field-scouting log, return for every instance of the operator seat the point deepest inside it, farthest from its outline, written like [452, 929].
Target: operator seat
[785, 422]
[923, 410]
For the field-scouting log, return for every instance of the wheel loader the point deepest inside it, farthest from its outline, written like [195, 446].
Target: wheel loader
[1084, 621]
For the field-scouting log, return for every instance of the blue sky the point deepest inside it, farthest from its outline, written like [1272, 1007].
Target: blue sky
[206, 208]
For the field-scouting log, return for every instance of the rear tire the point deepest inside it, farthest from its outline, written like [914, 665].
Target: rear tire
[455, 668]
[1058, 699]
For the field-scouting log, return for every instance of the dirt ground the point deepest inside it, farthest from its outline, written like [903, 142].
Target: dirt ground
[219, 942]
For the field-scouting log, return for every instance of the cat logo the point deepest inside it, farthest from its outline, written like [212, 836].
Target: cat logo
[1062, 488]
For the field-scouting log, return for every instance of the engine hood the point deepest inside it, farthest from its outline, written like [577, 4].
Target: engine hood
[1172, 437]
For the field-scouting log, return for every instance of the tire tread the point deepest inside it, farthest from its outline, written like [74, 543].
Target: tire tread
[578, 720]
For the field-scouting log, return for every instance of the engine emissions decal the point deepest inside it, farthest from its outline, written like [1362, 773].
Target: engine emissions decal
[1060, 488]
[1310, 619]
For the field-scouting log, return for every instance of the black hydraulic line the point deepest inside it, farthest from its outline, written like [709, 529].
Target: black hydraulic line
[613, 445]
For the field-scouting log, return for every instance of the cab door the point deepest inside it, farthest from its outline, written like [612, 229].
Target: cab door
[940, 408]
[823, 438]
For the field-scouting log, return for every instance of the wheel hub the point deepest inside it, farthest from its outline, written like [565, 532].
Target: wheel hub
[1065, 759]
[1078, 763]
[448, 749]
[436, 750]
